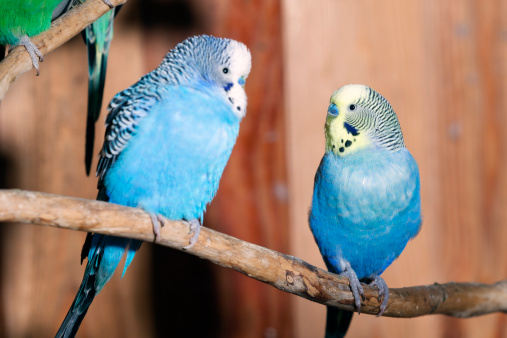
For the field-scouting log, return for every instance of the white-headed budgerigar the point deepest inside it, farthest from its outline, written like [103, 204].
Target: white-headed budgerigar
[20, 20]
[168, 139]
[366, 200]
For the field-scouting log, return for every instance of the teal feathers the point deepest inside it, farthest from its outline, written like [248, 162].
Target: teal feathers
[98, 38]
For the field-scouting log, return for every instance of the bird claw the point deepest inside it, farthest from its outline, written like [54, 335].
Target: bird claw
[107, 2]
[383, 292]
[355, 286]
[33, 51]
[158, 222]
[195, 227]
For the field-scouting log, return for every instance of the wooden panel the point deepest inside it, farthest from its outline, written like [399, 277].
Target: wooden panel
[442, 65]
[252, 200]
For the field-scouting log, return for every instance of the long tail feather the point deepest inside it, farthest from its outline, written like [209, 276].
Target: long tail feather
[98, 37]
[105, 253]
[84, 296]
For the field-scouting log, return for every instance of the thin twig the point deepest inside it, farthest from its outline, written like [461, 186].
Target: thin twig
[287, 273]
[62, 30]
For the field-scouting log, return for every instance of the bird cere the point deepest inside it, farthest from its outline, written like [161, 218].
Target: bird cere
[168, 139]
[366, 201]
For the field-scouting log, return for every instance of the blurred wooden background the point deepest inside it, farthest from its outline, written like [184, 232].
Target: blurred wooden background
[443, 67]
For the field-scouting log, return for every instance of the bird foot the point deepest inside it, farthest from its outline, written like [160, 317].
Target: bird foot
[158, 222]
[33, 51]
[107, 2]
[195, 227]
[383, 292]
[355, 286]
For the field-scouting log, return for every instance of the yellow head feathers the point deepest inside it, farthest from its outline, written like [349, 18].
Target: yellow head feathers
[358, 118]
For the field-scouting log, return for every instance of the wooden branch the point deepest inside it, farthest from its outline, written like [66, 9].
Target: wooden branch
[284, 272]
[62, 30]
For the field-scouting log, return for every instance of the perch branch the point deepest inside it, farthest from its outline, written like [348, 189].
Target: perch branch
[284, 272]
[62, 30]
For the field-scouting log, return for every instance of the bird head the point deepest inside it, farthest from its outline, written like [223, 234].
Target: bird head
[231, 73]
[360, 118]
[205, 61]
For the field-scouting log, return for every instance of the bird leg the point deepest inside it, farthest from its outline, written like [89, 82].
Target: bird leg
[383, 292]
[33, 51]
[157, 222]
[355, 285]
[195, 227]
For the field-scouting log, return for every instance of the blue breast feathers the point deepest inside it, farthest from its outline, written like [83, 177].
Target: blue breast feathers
[175, 158]
[366, 207]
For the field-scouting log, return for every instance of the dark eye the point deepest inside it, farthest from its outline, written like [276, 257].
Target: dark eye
[225, 70]
[352, 107]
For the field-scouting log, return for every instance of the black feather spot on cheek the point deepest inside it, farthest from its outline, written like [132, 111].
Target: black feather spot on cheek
[238, 108]
[348, 143]
[341, 149]
[231, 100]
[333, 146]
[342, 141]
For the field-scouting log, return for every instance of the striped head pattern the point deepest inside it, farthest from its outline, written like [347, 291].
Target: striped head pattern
[209, 61]
[357, 118]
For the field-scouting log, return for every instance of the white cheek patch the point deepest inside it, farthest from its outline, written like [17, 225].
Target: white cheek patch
[237, 98]
[240, 64]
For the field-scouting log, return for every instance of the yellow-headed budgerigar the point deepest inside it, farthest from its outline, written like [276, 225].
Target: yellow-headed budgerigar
[366, 200]
[168, 139]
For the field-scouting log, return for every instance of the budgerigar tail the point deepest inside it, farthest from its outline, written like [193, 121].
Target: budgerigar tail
[85, 294]
[98, 37]
[104, 254]
[79, 307]
[337, 322]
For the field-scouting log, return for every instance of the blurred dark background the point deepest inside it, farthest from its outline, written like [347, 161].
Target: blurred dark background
[443, 67]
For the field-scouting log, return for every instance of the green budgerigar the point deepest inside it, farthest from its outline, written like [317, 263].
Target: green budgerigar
[20, 20]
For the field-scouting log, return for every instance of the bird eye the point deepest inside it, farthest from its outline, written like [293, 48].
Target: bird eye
[352, 107]
[225, 70]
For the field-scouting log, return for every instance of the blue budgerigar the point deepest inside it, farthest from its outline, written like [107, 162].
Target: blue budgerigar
[366, 200]
[168, 139]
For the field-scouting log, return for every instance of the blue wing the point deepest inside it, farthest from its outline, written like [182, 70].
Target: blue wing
[161, 164]
[104, 252]
[165, 150]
